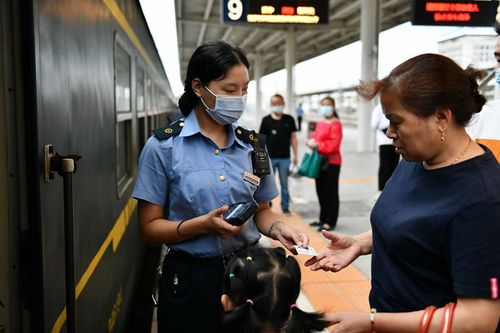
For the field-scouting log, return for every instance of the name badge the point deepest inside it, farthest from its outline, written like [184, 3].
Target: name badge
[251, 178]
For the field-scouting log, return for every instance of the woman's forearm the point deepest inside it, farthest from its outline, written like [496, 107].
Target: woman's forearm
[365, 242]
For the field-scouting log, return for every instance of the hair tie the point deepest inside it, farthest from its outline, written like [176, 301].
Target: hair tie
[249, 258]
[293, 306]
[249, 301]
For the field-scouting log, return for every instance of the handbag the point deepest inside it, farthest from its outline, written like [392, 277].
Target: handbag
[311, 163]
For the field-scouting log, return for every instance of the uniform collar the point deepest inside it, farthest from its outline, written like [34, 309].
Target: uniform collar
[192, 127]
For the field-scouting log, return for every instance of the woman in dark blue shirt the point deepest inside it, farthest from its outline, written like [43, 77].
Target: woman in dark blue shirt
[435, 237]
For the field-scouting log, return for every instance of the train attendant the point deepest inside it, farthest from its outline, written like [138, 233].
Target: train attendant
[189, 173]
[435, 229]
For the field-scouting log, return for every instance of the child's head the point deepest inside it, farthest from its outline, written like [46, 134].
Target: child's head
[261, 287]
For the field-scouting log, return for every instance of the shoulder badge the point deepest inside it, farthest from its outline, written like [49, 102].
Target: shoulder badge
[171, 130]
[249, 136]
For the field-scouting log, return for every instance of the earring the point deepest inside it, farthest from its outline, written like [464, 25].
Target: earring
[442, 135]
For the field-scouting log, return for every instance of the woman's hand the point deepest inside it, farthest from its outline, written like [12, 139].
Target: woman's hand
[288, 236]
[311, 143]
[339, 253]
[349, 322]
[214, 223]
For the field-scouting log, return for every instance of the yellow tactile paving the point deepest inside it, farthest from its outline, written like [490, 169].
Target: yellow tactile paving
[346, 290]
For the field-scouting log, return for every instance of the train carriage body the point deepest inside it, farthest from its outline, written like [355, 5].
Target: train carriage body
[82, 77]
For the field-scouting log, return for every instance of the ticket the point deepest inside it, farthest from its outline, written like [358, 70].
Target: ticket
[308, 251]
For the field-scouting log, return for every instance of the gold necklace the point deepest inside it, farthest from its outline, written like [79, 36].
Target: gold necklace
[462, 153]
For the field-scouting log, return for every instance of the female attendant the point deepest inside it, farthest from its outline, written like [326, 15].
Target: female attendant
[189, 173]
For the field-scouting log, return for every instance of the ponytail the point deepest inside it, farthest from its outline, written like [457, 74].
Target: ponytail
[188, 101]
[301, 321]
[264, 284]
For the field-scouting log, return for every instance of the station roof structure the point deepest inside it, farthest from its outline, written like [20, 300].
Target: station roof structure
[199, 21]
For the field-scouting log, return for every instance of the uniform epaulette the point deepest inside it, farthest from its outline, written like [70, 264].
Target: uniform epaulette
[171, 130]
[249, 137]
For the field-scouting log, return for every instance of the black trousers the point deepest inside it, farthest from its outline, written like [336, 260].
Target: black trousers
[299, 123]
[388, 159]
[189, 295]
[327, 189]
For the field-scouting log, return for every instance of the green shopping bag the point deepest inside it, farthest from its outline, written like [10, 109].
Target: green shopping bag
[311, 163]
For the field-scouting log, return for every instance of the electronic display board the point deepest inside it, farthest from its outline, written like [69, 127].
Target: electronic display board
[275, 11]
[455, 13]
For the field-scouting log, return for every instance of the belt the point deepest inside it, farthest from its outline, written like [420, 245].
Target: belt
[207, 261]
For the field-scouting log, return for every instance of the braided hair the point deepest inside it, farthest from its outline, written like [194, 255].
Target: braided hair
[263, 285]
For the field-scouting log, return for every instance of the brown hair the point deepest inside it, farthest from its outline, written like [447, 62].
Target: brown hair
[428, 82]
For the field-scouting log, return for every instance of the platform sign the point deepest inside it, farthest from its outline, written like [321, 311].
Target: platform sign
[455, 13]
[275, 11]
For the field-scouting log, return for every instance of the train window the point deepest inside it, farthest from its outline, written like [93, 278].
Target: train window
[122, 79]
[149, 94]
[142, 133]
[139, 78]
[124, 147]
[124, 117]
[155, 98]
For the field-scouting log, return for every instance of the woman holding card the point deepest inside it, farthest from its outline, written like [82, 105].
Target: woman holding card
[190, 171]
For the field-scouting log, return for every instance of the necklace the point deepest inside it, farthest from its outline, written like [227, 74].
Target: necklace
[462, 153]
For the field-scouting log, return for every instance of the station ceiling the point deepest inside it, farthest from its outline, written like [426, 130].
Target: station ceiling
[199, 21]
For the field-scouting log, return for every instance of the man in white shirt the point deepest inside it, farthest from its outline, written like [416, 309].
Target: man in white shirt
[485, 128]
[388, 158]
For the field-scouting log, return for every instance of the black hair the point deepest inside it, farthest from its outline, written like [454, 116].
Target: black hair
[210, 61]
[278, 96]
[263, 284]
[497, 27]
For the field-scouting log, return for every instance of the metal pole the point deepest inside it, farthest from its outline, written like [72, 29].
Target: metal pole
[289, 64]
[68, 169]
[369, 67]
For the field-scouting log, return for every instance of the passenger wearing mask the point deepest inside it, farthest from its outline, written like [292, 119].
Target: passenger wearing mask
[189, 172]
[326, 138]
[280, 131]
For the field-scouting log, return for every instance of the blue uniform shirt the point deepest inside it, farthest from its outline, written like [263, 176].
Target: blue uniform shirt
[190, 175]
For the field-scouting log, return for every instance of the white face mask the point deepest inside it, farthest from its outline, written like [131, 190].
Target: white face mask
[277, 108]
[228, 109]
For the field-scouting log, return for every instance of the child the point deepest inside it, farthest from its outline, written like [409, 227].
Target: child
[260, 290]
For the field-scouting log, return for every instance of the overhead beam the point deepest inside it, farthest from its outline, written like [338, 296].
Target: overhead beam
[206, 15]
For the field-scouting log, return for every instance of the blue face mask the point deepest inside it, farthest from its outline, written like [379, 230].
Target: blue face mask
[497, 78]
[277, 108]
[228, 109]
[326, 110]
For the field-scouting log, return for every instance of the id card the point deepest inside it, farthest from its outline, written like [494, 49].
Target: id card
[308, 251]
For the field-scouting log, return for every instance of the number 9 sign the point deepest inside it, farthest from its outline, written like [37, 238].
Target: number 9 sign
[234, 10]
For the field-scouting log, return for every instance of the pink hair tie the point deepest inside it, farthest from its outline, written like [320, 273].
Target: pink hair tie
[293, 306]
[249, 301]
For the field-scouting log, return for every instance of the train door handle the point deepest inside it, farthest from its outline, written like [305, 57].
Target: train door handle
[65, 166]
[57, 163]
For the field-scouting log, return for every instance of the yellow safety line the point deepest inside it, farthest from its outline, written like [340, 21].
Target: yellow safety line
[114, 237]
[122, 21]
